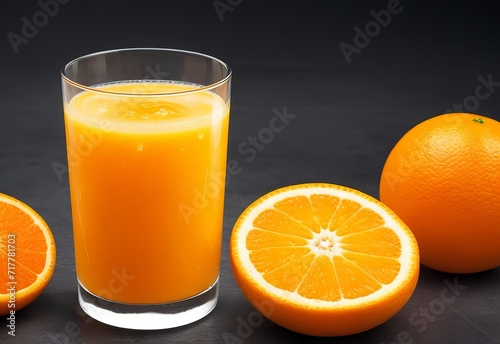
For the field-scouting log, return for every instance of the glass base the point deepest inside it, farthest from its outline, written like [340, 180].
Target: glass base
[149, 317]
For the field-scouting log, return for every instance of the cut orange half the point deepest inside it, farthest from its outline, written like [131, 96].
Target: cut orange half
[323, 259]
[27, 254]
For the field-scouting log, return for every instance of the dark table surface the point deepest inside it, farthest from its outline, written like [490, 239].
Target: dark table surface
[352, 94]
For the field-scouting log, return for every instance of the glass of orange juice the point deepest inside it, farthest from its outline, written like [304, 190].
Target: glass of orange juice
[146, 139]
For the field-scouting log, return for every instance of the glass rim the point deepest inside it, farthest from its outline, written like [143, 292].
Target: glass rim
[94, 89]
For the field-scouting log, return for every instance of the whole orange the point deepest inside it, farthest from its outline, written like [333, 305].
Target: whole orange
[443, 180]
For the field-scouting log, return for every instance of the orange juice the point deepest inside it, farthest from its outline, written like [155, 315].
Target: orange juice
[147, 189]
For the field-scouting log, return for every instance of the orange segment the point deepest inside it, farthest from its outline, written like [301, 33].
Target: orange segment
[376, 242]
[276, 221]
[364, 219]
[354, 282]
[322, 268]
[272, 258]
[345, 210]
[332, 260]
[27, 254]
[289, 276]
[324, 202]
[300, 209]
[382, 269]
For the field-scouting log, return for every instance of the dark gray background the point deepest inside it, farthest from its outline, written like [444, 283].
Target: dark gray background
[286, 56]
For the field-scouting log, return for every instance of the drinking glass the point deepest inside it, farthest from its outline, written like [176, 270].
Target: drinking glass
[146, 138]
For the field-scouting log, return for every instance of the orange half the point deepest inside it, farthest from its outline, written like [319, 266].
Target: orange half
[27, 254]
[323, 259]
